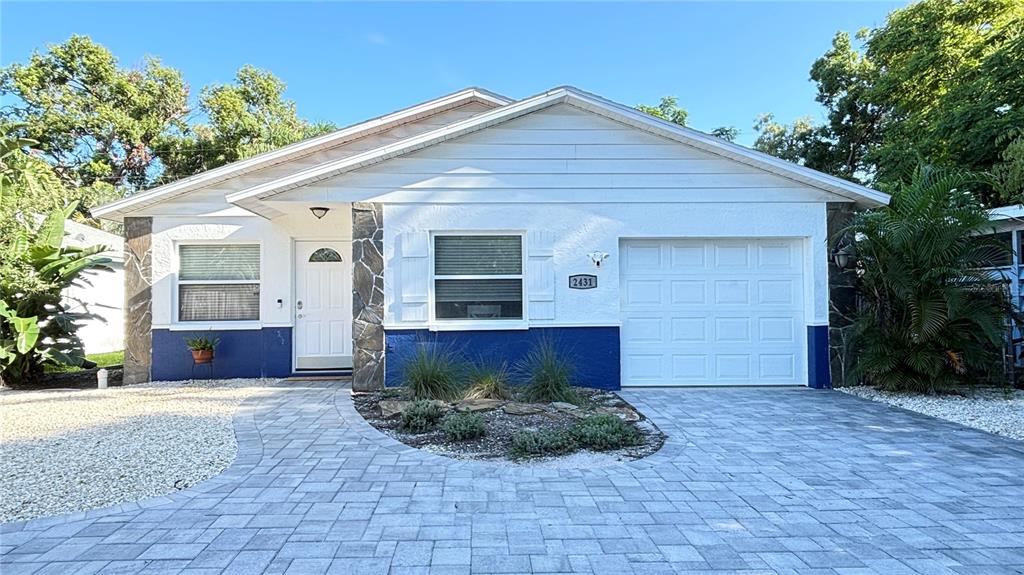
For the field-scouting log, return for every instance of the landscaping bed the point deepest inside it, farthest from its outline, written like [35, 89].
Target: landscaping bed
[995, 410]
[601, 428]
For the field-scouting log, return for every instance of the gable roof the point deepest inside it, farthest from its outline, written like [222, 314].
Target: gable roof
[251, 198]
[120, 208]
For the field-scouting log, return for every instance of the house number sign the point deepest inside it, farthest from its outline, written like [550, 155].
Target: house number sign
[582, 281]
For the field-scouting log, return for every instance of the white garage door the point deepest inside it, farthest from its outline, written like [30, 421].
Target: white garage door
[712, 312]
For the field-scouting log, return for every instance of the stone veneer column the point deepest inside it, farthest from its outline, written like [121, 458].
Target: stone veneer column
[842, 293]
[367, 296]
[138, 300]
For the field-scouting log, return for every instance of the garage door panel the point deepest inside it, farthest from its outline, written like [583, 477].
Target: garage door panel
[688, 329]
[732, 292]
[776, 330]
[688, 292]
[712, 312]
[643, 330]
[687, 367]
[644, 292]
[732, 330]
[777, 292]
[643, 256]
[687, 255]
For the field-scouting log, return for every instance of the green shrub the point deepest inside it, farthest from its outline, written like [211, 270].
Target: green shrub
[421, 416]
[929, 319]
[604, 432]
[433, 372]
[37, 324]
[541, 443]
[463, 426]
[548, 374]
[488, 380]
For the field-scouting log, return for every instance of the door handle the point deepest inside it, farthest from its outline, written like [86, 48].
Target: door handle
[298, 304]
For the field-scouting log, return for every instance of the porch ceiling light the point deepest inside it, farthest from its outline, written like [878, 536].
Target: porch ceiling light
[319, 212]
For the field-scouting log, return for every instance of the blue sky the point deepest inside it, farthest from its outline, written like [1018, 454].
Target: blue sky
[727, 62]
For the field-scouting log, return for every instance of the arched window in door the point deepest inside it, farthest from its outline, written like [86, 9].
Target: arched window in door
[325, 255]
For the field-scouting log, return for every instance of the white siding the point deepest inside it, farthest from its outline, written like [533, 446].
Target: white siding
[560, 154]
[576, 230]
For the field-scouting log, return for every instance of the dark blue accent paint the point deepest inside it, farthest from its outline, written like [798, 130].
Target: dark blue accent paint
[819, 374]
[263, 352]
[594, 349]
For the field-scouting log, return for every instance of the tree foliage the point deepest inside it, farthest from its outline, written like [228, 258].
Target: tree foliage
[92, 120]
[36, 326]
[929, 320]
[669, 109]
[246, 118]
[942, 82]
[108, 131]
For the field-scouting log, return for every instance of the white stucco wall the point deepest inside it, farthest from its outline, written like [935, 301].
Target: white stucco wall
[276, 239]
[579, 229]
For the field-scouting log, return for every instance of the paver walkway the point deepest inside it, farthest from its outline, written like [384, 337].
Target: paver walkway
[751, 481]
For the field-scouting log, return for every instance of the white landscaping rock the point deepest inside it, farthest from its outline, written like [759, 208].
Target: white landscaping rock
[63, 451]
[989, 409]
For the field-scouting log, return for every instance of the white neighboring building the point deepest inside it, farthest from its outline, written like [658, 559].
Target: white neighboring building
[100, 293]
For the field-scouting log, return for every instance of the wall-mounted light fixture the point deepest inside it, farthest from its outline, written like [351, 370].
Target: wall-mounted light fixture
[597, 257]
[319, 212]
[843, 258]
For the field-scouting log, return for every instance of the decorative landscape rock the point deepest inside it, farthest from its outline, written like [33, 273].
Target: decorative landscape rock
[563, 406]
[517, 408]
[623, 413]
[479, 404]
[393, 408]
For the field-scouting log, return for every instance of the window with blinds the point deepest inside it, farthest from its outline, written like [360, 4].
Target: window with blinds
[219, 282]
[478, 277]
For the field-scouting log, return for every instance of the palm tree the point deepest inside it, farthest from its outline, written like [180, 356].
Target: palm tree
[930, 319]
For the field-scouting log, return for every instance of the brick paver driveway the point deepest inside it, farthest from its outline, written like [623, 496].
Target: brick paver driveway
[751, 480]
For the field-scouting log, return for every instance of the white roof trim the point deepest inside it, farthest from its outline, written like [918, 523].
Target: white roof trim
[250, 198]
[120, 208]
[1014, 212]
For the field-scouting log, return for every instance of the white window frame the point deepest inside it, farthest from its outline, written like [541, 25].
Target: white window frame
[242, 324]
[466, 324]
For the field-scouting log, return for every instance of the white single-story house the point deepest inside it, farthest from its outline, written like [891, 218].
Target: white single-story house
[652, 253]
[98, 293]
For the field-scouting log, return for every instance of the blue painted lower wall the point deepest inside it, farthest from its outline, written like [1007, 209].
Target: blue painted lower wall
[594, 349]
[263, 352]
[819, 374]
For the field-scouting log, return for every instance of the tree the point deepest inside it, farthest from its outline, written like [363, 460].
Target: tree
[727, 133]
[930, 319]
[92, 120]
[953, 83]
[668, 109]
[942, 82]
[244, 119]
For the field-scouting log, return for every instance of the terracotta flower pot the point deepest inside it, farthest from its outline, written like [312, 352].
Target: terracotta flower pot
[202, 355]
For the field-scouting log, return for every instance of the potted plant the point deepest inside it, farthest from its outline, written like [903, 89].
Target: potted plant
[202, 348]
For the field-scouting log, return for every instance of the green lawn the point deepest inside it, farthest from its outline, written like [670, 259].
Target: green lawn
[102, 360]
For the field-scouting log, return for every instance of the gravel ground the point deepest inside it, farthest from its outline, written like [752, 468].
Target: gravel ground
[986, 409]
[63, 451]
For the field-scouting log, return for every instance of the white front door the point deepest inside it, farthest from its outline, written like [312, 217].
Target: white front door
[323, 305]
[713, 312]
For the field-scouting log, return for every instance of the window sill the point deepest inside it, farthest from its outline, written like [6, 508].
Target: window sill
[478, 325]
[216, 326]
